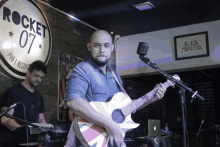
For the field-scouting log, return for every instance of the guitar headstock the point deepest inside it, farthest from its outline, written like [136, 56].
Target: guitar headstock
[170, 83]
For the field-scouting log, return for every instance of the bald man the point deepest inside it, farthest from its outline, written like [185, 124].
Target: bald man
[92, 80]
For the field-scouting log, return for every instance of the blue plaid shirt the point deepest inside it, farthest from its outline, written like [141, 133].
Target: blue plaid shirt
[88, 81]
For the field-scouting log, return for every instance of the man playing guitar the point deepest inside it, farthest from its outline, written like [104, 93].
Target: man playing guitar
[92, 80]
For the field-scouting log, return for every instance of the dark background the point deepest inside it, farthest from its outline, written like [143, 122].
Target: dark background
[120, 17]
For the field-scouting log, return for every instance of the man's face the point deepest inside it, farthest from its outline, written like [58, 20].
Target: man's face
[100, 48]
[35, 78]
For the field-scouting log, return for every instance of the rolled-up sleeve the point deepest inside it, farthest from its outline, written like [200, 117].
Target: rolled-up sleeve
[77, 84]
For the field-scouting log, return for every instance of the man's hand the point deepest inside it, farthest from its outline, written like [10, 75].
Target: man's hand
[115, 133]
[83, 109]
[41, 118]
[160, 91]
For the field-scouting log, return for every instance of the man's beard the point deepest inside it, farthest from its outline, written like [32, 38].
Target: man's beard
[101, 63]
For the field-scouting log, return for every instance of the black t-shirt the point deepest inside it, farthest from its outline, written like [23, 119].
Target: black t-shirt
[33, 102]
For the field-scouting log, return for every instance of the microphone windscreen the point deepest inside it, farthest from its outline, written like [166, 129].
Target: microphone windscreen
[142, 48]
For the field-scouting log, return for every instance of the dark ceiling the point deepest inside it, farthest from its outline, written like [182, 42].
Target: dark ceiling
[120, 17]
[85, 9]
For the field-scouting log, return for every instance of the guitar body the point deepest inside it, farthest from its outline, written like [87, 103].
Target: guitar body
[95, 136]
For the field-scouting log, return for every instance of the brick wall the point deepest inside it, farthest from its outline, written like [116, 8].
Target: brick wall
[160, 108]
[206, 111]
[157, 110]
[136, 90]
[205, 107]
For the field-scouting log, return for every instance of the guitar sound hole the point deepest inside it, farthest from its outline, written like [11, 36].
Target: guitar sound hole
[118, 116]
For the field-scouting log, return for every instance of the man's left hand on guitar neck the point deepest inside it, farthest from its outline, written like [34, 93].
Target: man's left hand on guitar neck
[160, 90]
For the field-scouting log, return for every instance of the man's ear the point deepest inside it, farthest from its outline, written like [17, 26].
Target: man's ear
[88, 46]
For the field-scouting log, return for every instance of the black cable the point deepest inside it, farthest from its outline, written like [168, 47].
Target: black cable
[210, 122]
[186, 127]
[25, 124]
[171, 113]
[196, 79]
[156, 65]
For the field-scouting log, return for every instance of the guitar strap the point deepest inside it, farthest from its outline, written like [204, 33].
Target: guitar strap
[116, 79]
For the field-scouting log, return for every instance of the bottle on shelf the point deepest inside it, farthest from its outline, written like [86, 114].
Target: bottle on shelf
[166, 129]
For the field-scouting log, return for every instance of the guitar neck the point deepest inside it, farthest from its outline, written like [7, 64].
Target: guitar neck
[141, 101]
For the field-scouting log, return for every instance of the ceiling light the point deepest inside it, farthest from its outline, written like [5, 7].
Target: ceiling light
[144, 6]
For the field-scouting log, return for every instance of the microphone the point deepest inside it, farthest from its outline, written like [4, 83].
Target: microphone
[142, 51]
[8, 109]
[142, 48]
[200, 127]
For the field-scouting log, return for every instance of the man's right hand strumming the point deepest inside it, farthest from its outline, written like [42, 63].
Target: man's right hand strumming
[115, 133]
[83, 109]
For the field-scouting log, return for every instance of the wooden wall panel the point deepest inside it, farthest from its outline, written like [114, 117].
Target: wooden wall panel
[52, 64]
[69, 36]
[5, 82]
[50, 102]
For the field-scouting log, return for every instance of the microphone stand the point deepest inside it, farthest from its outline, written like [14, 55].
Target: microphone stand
[217, 135]
[43, 129]
[183, 89]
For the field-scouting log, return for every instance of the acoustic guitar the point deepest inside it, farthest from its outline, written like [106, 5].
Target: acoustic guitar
[119, 109]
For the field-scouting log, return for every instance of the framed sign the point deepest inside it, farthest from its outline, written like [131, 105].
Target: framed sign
[191, 46]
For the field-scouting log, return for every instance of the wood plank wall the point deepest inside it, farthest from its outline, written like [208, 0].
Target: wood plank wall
[69, 36]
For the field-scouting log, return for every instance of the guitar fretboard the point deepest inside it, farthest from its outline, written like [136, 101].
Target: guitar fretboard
[141, 101]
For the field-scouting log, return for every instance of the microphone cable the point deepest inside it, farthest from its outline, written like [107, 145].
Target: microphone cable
[25, 124]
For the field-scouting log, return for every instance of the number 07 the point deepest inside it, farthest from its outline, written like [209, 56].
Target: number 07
[22, 46]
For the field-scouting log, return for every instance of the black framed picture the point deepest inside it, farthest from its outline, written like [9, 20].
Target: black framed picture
[191, 46]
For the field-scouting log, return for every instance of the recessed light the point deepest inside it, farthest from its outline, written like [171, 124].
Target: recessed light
[144, 6]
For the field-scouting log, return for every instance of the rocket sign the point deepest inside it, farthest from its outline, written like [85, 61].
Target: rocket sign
[25, 37]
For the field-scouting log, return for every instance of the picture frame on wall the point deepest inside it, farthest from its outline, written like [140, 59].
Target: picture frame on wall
[66, 63]
[189, 46]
